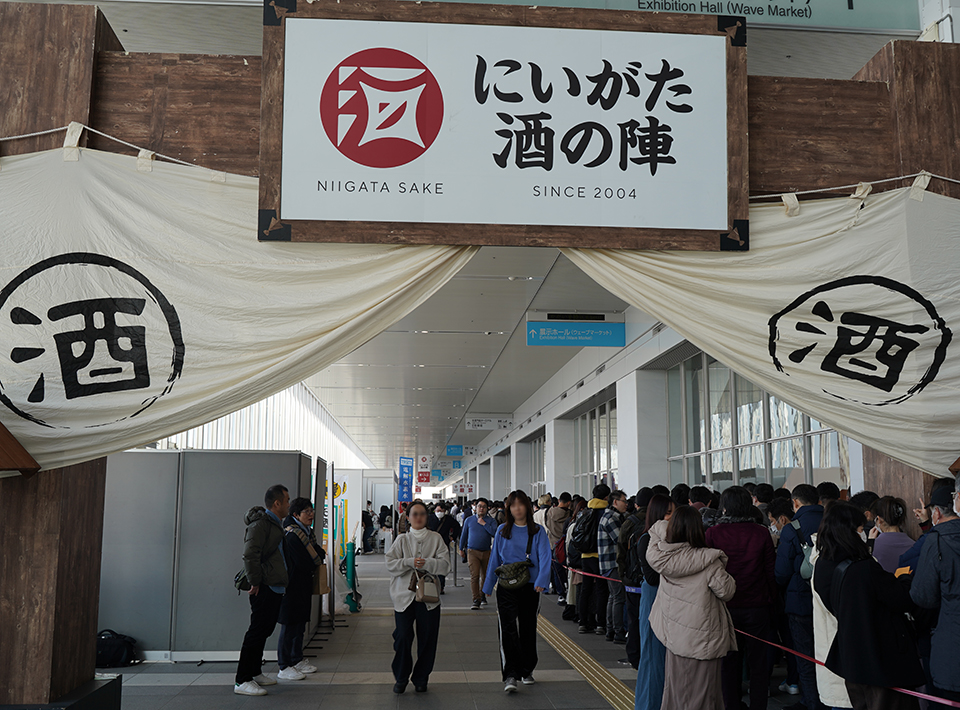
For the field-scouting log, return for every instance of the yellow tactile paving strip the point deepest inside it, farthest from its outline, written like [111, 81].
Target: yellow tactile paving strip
[608, 685]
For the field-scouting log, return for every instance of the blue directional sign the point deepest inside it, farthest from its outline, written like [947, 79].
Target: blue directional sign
[436, 473]
[405, 485]
[454, 450]
[457, 464]
[577, 334]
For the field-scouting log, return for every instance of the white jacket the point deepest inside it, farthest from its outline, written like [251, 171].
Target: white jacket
[832, 689]
[400, 557]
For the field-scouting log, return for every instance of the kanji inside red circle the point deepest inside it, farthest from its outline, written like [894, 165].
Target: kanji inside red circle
[381, 108]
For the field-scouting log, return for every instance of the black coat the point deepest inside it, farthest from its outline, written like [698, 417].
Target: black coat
[874, 643]
[295, 608]
[448, 528]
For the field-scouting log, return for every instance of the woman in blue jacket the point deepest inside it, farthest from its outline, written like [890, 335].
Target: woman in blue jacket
[518, 608]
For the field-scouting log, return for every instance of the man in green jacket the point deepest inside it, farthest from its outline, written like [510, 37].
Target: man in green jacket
[267, 573]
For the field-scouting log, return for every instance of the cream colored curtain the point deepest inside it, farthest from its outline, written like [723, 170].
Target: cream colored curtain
[135, 305]
[848, 311]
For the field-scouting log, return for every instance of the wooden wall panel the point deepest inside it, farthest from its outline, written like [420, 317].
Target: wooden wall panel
[808, 134]
[887, 477]
[47, 58]
[50, 572]
[201, 109]
[925, 107]
[13, 457]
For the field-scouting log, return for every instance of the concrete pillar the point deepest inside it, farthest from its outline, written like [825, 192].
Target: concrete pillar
[482, 487]
[558, 462]
[642, 430]
[521, 466]
[500, 477]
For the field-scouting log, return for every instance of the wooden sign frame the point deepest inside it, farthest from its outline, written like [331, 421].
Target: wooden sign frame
[272, 227]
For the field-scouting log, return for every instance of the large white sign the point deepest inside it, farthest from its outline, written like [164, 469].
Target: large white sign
[416, 122]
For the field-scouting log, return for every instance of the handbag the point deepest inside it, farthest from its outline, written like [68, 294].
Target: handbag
[516, 574]
[320, 584]
[426, 587]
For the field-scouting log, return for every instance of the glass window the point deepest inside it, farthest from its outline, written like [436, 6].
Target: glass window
[676, 472]
[614, 458]
[784, 419]
[604, 439]
[749, 412]
[752, 465]
[585, 466]
[674, 411]
[815, 425]
[786, 463]
[828, 461]
[697, 476]
[721, 435]
[693, 379]
[722, 470]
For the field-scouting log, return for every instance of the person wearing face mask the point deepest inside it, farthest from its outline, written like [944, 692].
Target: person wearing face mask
[936, 583]
[890, 541]
[418, 549]
[873, 650]
[445, 525]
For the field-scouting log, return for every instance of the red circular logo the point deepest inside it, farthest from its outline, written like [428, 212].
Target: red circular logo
[381, 108]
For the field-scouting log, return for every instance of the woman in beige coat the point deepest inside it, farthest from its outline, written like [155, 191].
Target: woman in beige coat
[690, 614]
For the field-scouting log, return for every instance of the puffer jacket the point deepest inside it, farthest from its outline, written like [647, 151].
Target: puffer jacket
[262, 558]
[689, 615]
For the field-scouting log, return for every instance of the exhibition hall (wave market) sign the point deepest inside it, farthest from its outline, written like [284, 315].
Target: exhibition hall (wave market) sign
[450, 123]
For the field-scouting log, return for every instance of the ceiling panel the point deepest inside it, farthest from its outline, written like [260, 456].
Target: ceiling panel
[432, 349]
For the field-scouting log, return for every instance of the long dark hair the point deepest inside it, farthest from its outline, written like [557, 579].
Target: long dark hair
[838, 539]
[523, 498]
[657, 509]
[686, 525]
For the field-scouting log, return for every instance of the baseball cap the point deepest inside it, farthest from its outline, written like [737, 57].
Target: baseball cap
[942, 497]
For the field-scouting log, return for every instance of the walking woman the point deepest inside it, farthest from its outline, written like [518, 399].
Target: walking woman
[873, 650]
[518, 540]
[653, 653]
[689, 615]
[415, 552]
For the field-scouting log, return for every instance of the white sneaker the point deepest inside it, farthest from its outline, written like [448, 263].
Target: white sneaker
[290, 673]
[248, 688]
[305, 667]
[262, 680]
[528, 680]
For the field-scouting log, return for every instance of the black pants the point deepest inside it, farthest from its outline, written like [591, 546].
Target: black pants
[518, 610]
[427, 623]
[756, 621]
[264, 612]
[801, 631]
[290, 644]
[631, 617]
[592, 603]
[872, 697]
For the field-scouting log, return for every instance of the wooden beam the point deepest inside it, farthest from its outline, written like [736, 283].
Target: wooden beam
[13, 457]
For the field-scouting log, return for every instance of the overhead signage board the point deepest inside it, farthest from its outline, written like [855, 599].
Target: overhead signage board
[576, 333]
[449, 123]
[487, 423]
[454, 449]
[423, 463]
[423, 477]
[405, 482]
[457, 464]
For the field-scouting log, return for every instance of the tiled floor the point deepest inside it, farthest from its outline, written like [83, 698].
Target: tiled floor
[354, 666]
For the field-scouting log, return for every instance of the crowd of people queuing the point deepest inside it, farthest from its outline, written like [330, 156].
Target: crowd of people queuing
[699, 587]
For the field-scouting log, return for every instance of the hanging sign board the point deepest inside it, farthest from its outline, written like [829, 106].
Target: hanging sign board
[454, 124]
[405, 483]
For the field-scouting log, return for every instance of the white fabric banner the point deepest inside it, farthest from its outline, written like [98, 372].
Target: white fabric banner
[847, 311]
[137, 304]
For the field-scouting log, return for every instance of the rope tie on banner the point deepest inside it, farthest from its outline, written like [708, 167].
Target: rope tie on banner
[922, 696]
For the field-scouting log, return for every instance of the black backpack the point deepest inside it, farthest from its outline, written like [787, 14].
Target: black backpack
[633, 575]
[115, 650]
[584, 536]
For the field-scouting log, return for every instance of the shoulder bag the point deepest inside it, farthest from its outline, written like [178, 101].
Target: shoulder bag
[425, 586]
[516, 574]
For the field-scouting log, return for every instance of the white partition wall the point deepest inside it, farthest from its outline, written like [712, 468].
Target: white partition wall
[559, 457]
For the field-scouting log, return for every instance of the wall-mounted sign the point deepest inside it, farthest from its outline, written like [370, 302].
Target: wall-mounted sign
[487, 423]
[452, 123]
[577, 333]
[405, 481]
[454, 449]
